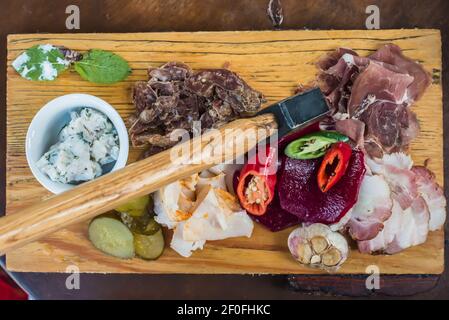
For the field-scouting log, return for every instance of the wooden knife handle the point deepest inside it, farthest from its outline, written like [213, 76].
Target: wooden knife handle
[142, 177]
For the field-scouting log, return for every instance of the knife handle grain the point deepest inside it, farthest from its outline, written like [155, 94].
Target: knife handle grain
[142, 177]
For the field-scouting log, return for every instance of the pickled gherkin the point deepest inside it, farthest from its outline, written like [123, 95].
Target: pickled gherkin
[144, 224]
[130, 230]
[112, 237]
[149, 247]
[136, 207]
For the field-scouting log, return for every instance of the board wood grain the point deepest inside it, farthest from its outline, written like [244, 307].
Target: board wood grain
[273, 62]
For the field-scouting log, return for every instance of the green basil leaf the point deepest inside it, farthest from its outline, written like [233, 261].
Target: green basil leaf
[42, 62]
[102, 67]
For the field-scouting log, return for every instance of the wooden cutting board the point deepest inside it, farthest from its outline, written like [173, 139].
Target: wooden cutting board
[273, 62]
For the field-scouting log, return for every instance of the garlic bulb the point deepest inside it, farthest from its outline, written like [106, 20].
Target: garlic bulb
[318, 246]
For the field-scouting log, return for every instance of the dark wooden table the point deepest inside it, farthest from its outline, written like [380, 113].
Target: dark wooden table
[31, 16]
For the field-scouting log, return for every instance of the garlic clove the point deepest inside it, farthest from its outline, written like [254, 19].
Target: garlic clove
[315, 259]
[304, 253]
[331, 257]
[319, 244]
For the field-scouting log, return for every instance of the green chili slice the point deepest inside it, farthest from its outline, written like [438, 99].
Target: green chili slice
[314, 145]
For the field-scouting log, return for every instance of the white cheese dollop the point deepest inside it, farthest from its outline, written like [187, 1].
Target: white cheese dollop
[49, 72]
[87, 143]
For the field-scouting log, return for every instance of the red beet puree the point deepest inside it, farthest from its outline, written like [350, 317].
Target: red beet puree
[300, 195]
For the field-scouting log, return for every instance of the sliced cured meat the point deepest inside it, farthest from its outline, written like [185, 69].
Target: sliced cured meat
[373, 207]
[170, 71]
[392, 55]
[380, 83]
[337, 80]
[332, 58]
[396, 169]
[300, 195]
[226, 88]
[404, 229]
[204, 82]
[386, 235]
[353, 128]
[418, 205]
[175, 98]
[376, 90]
[390, 127]
[433, 194]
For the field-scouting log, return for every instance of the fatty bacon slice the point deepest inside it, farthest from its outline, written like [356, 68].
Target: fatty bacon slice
[373, 207]
[404, 229]
[433, 194]
[396, 169]
[418, 205]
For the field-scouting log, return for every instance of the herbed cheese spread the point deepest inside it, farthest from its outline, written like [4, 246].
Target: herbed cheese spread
[87, 143]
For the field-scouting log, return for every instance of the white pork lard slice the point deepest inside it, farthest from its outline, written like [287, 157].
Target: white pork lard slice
[216, 216]
[373, 207]
[229, 170]
[208, 178]
[173, 202]
[199, 209]
[184, 247]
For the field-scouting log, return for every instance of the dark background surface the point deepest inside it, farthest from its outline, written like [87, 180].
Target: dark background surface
[35, 16]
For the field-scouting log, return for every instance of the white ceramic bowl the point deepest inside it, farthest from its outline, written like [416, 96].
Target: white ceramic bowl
[47, 123]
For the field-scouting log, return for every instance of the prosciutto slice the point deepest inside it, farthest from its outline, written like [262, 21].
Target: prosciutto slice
[379, 83]
[331, 59]
[376, 90]
[390, 127]
[338, 73]
[354, 129]
[391, 54]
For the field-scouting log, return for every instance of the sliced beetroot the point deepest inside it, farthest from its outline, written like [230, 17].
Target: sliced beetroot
[275, 218]
[300, 195]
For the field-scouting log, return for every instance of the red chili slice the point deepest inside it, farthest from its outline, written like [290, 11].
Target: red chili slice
[257, 181]
[334, 165]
